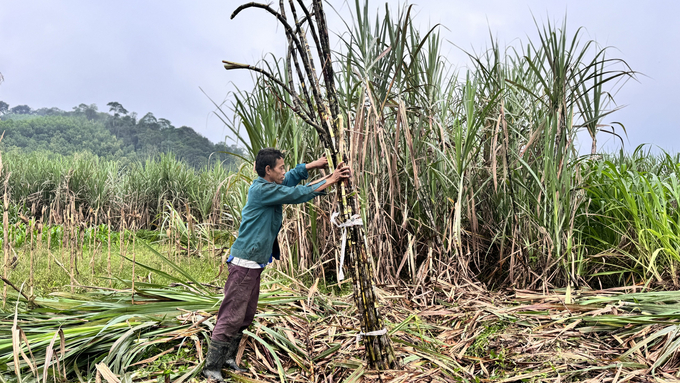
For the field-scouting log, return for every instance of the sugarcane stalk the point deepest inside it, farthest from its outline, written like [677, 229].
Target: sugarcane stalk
[73, 252]
[108, 255]
[5, 236]
[134, 258]
[31, 278]
[49, 241]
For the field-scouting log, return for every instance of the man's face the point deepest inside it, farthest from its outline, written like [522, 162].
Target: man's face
[278, 173]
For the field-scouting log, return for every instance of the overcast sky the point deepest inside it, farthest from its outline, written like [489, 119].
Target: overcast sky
[152, 56]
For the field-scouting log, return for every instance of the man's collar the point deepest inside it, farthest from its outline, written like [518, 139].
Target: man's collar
[261, 179]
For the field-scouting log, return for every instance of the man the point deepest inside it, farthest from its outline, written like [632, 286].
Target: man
[256, 246]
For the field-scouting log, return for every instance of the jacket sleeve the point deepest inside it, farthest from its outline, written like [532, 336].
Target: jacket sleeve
[272, 194]
[295, 175]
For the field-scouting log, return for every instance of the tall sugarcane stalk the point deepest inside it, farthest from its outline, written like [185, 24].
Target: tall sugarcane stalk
[325, 117]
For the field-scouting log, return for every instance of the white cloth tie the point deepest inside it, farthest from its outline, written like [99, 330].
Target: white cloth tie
[370, 333]
[354, 220]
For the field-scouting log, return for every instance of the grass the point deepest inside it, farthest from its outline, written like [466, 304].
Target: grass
[51, 277]
[480, 347]
[169, 360]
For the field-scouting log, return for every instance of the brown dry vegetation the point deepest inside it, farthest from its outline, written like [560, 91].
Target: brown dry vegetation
[468, 334]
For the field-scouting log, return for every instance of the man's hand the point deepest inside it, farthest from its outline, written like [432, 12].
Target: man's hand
[342, 172]
[320, 163]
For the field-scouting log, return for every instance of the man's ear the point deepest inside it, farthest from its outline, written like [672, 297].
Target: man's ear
[267, 169]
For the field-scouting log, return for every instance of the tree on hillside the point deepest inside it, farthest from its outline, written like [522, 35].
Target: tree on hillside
[121, 124]
[21, 109]
[60, 134]
[165, 124]
[117, 109]
[4, 107]
[49, 112]
[150, 121]
[89, 111]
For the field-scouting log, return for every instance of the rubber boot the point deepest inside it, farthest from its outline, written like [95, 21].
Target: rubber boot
[230, 361]
[217, 354]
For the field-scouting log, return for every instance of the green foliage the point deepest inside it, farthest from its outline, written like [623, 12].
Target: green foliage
[119, 136]
[61, 135]
[631, 224]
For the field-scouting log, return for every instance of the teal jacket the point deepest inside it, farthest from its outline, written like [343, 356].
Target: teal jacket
[262, 216]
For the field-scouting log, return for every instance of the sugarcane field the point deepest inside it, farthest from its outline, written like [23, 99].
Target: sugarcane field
[376, 213]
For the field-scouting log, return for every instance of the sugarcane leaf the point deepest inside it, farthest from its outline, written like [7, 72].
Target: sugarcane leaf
[269, 348]
[649, 339]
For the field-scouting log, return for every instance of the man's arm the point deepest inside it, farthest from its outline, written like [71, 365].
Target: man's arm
[273, 194]
[295, 175]
[300, 172]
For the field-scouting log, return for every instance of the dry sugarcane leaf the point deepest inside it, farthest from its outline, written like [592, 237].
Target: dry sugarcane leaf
[199, 350]
[533, 374]
[49, 352]
[289, 334]
[312, 291]
[561, 331]
[261, 358]
[104, 370]
[16, 344]
[439, 312]
[62, 351]
[29, 361]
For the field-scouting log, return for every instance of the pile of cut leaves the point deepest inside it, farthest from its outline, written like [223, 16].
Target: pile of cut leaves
[441, 333]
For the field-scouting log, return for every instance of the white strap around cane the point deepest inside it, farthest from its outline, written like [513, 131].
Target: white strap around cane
[370, 333]
[354, 220]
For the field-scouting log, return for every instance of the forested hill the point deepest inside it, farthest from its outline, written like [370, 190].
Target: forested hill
[118, 134]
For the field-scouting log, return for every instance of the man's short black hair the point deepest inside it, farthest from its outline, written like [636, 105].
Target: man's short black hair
[266, 156]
